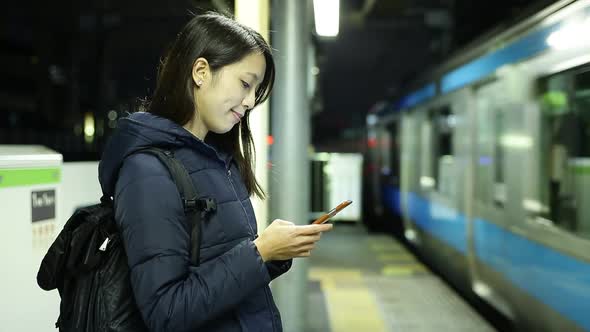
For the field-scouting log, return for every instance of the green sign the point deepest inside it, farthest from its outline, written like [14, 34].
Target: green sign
[29, 176]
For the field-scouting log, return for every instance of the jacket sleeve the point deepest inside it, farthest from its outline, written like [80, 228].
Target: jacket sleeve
[171, 294]
[277, 268]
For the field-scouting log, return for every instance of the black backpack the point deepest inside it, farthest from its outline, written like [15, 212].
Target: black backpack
[88, 265]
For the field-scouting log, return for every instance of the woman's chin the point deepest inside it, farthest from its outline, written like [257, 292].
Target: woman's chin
[222, 130]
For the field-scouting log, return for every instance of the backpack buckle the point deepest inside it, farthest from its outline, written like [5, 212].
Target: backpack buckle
[206, 205]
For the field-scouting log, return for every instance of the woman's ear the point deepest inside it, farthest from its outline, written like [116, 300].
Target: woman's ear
[200, 71]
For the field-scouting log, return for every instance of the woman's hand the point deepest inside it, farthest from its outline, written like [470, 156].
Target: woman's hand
[283, 240]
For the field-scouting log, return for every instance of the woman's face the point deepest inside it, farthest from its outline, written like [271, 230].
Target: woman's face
[222, 98]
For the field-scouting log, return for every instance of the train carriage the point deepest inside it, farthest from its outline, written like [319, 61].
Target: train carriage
[493, 180]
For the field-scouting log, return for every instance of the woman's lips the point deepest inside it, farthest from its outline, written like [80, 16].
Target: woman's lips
[237, 115]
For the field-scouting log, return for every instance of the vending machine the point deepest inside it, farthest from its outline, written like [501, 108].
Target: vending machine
[30, 178]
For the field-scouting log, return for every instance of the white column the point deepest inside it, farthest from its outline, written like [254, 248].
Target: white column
[255, 14]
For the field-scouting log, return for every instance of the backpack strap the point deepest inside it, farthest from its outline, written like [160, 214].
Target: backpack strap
[195, 207]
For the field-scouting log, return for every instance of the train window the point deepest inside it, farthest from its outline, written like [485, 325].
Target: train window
[499, 132]
[442, 125]
[382, 147]
[566, 156]
[491, 128]
[394, 153]
[426, 177]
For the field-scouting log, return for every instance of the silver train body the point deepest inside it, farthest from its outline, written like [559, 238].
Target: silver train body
[488, 165]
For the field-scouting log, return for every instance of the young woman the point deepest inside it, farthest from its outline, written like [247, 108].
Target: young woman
[214, 74]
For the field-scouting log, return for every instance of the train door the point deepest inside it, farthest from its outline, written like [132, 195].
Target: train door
[441, 174]
[437, 208]
[410, 171]
[501, 150]
[390, 173]
[382, 171]
[382, 189]
[372, 204]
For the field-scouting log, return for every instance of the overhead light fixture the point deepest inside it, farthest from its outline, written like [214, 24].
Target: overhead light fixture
[89, 130]
[327, 17]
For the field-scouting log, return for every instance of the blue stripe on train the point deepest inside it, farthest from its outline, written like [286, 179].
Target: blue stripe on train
[529, 45]
[423, 94]
[438, 220]
[560, 281]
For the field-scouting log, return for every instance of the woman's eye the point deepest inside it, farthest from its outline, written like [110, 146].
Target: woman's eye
[245, 85]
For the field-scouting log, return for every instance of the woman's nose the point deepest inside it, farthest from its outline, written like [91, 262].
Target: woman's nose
[250, 99]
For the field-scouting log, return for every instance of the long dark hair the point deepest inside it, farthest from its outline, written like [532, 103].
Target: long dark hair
[222, 41]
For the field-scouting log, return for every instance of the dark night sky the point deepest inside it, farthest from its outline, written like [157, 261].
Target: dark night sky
[63, 58]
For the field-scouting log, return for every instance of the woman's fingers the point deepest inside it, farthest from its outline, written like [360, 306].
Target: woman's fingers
[297, 240]
[307, 239]
[313, 229]
[309, 247]
[304, 254]
[283, 222]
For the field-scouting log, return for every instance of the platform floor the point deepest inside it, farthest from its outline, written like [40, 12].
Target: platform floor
[366, 282]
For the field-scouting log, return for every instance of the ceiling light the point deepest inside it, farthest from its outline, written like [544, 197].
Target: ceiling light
[327, 17]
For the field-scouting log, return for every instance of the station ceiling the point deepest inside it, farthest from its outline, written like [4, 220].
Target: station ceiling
[382, 46]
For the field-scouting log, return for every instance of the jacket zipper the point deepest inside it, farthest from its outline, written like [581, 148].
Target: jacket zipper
[242, 205]
[266, 295]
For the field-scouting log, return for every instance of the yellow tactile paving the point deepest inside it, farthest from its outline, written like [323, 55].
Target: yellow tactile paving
[318, 273]
[381, 286]
[402, 269]
[395, 256]
[352, 307]
[386, 247]
[329, 277]
[353, 310]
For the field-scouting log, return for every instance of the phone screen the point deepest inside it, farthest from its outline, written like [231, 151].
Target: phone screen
[332, 212]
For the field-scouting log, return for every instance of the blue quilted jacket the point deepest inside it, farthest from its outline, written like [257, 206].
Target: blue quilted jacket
[229, 290]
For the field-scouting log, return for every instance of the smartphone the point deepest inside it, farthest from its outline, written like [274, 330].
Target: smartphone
[332, 212]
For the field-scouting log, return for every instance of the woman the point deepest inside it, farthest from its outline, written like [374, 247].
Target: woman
[214, 74]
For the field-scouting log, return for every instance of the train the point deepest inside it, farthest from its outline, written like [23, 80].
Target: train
[486, 161]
